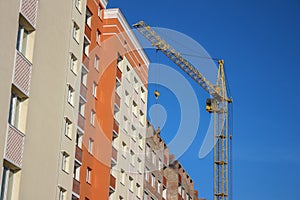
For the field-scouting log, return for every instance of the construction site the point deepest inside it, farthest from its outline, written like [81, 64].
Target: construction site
[74, 110]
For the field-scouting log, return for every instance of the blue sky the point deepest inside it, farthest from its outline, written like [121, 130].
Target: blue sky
[259, 41]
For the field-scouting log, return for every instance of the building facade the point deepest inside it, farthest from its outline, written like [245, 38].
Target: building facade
[39, 97]
[73, 107]
[165, 178]
[130, 108]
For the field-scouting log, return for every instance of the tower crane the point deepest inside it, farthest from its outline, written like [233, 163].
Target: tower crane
[217, 105]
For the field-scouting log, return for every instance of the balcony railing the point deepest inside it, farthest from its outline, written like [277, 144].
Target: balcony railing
[22, 73]
[117, 100]
[116, 127]
[14, 146]
[119, 74]
[78, 154]
[83, 90]
[114, 153]
[29, 10]
[112, 181]
[76, 186]
[88, 31]
[81, 121]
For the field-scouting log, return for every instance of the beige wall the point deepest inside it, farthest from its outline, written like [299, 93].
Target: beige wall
[45, 139]
[9, 25]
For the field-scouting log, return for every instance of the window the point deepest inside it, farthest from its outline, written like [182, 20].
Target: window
[154, 157]
[95, 86]
[71, 92]
[138, 188]
[142, 117]
[145, 196]
[96, 63]
[140, 141]
[124, 149]
[99, 11]
[88, 17]
[140, 165]
[76, 173]
[93, 114]
[126, 124]
[133, 130]
[86, 47]
[152, 180]
[164, 192]
[76, 32]
[74, 197]
[159, 163]
[132, 157]
[68, 128]
[62, 194]
[7, 183]
[148, 150]
[98, 37]
[88, 175]
[78, 4]
[158, 187]
[65, 162]
[143, 94]
[73, 63]
[90, 146]
[84, 73]
[146, 174]
[79, 139]
[127, 98]
[22, 40]
[123, 176]
[131, 184]
[134, 108]
[15, 110]
[81, 106]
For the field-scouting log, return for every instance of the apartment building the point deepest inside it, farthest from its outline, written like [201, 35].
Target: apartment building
[165, 178]
[130, 108]
[41, 48]
[74, 105]
[112, 108]
[95, 120]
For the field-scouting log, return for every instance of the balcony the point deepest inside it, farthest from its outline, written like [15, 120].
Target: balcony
[14, 146]
[22, 73]
[116, 127]
[29, 10]
[114, 154]
[112, 182]
[78, 154]
[119, 74]
[83, 90]
[165, 181]
[81, 121]
[76, 186]
[88, 32]
[117, 100]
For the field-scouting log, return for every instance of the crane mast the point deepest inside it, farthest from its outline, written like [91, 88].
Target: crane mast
[217, 106]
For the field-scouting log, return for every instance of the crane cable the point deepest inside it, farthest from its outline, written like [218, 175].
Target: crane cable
[156, 91]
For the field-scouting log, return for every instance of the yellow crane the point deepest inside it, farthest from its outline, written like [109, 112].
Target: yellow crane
[218, 105]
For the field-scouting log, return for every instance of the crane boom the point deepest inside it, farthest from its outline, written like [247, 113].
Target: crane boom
[217, 105]
[175, 56]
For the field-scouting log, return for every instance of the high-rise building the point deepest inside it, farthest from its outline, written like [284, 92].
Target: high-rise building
[130, 107]
[74, 86]
[112, 108]
[40, 56]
